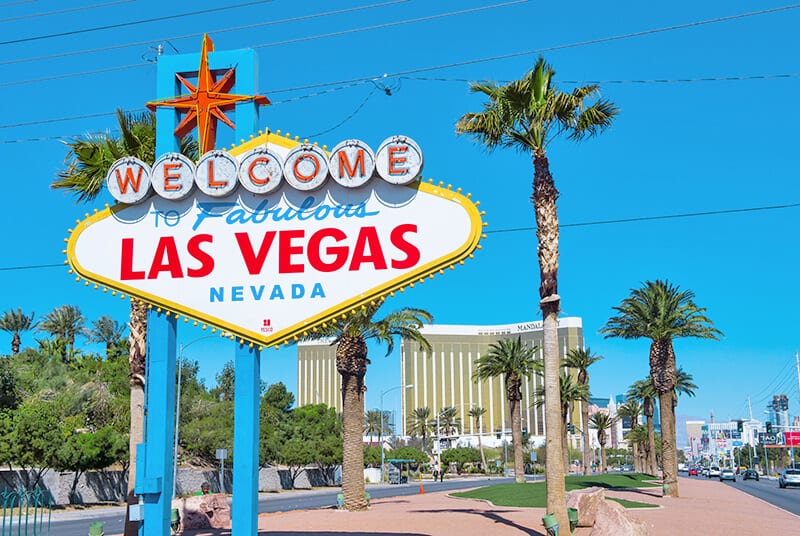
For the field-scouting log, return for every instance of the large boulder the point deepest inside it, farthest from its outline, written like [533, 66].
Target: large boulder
[204, 512]
[611, 520]
[586, 501]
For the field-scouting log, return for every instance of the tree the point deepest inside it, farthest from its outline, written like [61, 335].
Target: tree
[226, 382]
[10, 395]
[108, 331]
[350, 336]
[684, 385]
[631, 409]
[377, 423]
[448, 421]
[88, 160]
[514, 361]
[571, 391]
[581, 359]
[643, 390]
[602, 422]
[88, 451]
[526, 115]
[421, 423]
[460, 456]
[16, 322]
[37, 435]
[65, 322]
[477, 412]
[661, 312]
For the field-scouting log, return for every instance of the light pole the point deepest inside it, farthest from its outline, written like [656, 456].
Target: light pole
[178, 410]
[409, 386]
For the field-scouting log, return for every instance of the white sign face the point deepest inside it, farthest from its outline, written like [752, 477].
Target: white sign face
[270, 267]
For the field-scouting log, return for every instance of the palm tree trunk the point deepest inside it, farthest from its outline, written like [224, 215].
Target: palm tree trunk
[483, 454]
[545, 195]
[136, 371]
[352, 442]
[564, 438]
[516, 438]
[669, 453]
[635, 448]
[587, 452]
[602, 458]
[652, 466]
[16, 342]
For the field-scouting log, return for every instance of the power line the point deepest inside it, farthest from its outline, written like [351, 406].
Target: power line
[627, 81]
[707, 213]
[200, 34]
[62, 11]
[132, 23]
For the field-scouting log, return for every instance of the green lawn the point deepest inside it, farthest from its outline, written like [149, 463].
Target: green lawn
[533, 494]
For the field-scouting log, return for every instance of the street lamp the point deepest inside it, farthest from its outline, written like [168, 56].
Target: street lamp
[409, 386]
[178, 410]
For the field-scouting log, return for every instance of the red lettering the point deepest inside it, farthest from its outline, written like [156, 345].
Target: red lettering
[399, 241]
[123, 183]
[212, 183]
[126, 263]
[169, 176]
[344, 164]
[206, 260]
[286, 250]
[166, 259]
[254, 261]
[251, 168]
[395, 159]
[315, 249]
[367, 250]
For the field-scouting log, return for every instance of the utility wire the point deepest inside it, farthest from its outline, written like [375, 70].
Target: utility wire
[37, 266]
[16, 3]
[628, 81]
[200, 34]
[132, 23]
[62, 11]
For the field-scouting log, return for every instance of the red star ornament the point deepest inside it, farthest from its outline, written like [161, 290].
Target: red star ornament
[207, 102]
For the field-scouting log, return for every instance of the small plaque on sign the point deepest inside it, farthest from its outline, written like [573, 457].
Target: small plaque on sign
[222, 454]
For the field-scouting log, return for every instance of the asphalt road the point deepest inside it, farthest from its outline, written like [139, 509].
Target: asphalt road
[767, 490]
[113, 519]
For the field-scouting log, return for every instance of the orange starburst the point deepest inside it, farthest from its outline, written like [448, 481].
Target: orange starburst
[207, 102]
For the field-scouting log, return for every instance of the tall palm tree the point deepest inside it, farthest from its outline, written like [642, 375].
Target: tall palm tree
[684, 385]
[66, 322]
[643, 390]
[637, 437]
[88, 161]
[108, 331]
[602, 422]
[632, 409]
[421, 423]
[16, 322]
[661, 312]
[581, 359]
[526, 115]
[512, 360]
[477, 413]
[351, 335]
[448, 421]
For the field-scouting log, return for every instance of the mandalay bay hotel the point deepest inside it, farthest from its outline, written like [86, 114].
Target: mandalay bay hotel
[443, 377]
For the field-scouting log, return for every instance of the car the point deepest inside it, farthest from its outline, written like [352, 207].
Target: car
[789, 477]
[713, 471]
[704, 472]
[727, 474]
[693, 471]
[750, 474]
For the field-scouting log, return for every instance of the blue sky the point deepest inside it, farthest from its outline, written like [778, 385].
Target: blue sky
[707, 124]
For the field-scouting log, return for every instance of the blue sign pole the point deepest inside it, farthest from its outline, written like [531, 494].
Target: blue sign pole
[246, 407]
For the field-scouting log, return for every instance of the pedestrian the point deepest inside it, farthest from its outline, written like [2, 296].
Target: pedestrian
[205, 489]
[441, 475]
[435, 474]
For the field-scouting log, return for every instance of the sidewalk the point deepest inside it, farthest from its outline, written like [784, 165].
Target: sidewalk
[705, 508]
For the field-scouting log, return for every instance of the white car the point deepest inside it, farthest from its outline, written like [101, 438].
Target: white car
[713, 471]
[727, 474]
[789, 477]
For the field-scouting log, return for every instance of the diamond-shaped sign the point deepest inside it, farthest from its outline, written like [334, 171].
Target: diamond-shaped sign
[269, 267]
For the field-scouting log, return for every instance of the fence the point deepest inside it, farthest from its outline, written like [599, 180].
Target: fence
[26, 513]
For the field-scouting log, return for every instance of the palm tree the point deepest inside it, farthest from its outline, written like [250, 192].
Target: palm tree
[571, 392]
[602, 422]
[477, 412]
[421, 423]
[350, 336]
[661, 312]
[373, 424]
[448, 421]
[581, 359]
[637, 437]
[514, 361]
[16, 322]
[88, 161]
[632, 409]
[108, 331]
[66, 322]
[684, 385]
[527, 115]
[643, 390]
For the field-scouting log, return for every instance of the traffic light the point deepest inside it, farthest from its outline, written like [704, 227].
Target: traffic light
[740, 426]
[769, 427]
[571, 428]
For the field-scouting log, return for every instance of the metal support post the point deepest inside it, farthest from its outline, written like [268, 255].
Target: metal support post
[247, 403]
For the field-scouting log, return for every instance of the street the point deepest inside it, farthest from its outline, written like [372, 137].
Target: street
[767, 490]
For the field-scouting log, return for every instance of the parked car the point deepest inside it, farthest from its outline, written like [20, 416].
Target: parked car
[713, 471]
[693, 471]
[789, 477]
[750, 474]
[727, 474]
